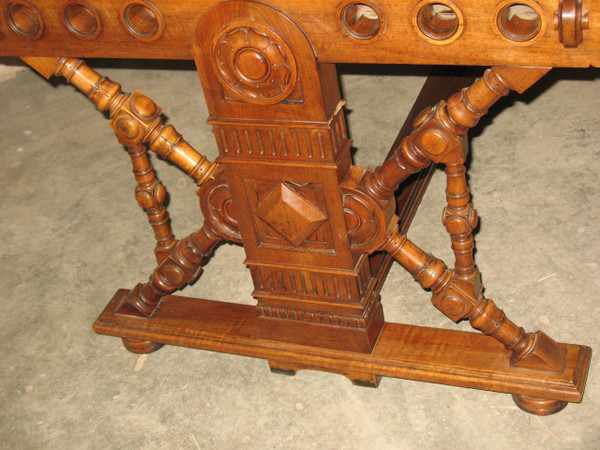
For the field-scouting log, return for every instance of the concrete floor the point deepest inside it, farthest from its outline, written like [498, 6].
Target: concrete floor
[72, 234]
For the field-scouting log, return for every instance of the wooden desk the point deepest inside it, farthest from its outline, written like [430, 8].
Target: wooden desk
[319, 233]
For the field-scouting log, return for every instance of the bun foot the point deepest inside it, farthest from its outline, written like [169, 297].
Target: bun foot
[539, 406]
[280, 368]
[365, 380]
[135, 346]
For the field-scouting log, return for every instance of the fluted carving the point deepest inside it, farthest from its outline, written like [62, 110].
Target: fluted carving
[314, 227]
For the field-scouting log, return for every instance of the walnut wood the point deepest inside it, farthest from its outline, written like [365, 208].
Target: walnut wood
[403, 351]
[151, 195]
[141, 347]
[460, 219]
[459, 298]
[284, 149]
[441, 83]
[439, 131]
[399, 41]
[315, 228]
[571, 21]
[179, 268]
[135, 118]
[357, 378]
[458, 293]
[539, 406]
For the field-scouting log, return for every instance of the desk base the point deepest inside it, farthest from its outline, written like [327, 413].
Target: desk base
[403, 351]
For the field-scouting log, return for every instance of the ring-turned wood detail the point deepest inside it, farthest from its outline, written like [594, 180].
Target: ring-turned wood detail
[327, 302]
[82, 19]
[182, 266]
[135, 118]
[459, 292]
[151, 196]
[142, 20]
[570, 20]
[24, 19]
[255, 63]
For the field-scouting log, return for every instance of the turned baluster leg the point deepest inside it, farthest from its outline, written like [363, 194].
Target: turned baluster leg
[181, 267]
[439, 136]
[439, 133]
[460, 219]
[459, 299]
[136, 119]
[151, 195]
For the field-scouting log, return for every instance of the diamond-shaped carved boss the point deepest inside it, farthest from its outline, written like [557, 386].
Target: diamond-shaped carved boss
[290, 214]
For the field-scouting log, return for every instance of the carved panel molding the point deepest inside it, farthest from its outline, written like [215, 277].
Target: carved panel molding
[289, 143]
[332, 286]
[342, 320]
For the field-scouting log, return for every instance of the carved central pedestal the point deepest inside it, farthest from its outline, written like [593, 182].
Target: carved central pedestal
[280, 129]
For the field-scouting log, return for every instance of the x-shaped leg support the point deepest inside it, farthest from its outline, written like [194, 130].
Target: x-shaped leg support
[368, 199]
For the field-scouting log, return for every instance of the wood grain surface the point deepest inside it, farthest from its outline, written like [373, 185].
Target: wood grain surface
[165, 30]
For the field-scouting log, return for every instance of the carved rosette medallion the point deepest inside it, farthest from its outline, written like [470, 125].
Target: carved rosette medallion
[254, 63]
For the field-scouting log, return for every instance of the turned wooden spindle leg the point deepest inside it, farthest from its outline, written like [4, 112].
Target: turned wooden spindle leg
[135, 118]
[151, 195]
[439, 134]
[439, 137]
[461, 298]
[137, 121]
[460, 219]
[181, 267]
